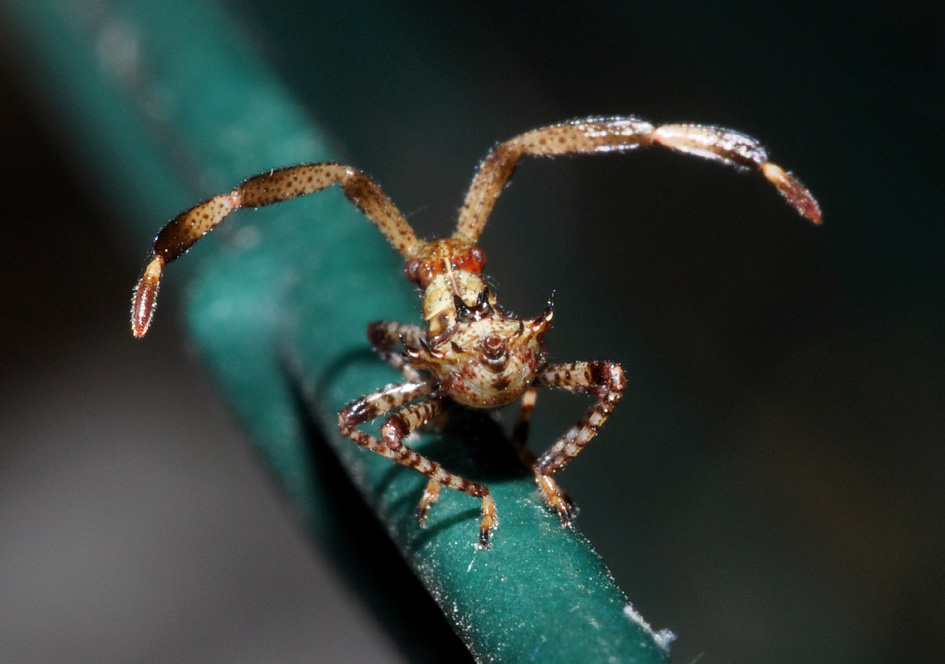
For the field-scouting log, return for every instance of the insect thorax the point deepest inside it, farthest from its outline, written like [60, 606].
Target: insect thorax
[479, 356]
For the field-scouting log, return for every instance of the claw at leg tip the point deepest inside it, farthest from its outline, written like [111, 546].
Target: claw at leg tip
[485, 539]
[488, 523]
[795, 192]
[142, 306]
[422, 515]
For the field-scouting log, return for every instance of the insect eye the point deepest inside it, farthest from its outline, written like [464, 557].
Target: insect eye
[479, 256]
[413, 270]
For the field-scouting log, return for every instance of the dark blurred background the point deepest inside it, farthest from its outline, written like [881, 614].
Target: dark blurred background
[769, 489]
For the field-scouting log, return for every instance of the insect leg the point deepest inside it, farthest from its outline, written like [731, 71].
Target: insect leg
[181, 232]
[620, 134]
[606, 381]
[736, 149]
[577, 136]
[399, 426]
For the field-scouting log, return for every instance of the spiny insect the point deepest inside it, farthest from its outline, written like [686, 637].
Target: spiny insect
[471, 351]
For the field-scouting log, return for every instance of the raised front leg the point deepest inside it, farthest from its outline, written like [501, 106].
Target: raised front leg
[399, 426]
[619, 134]
[606, 381]
[282, 184]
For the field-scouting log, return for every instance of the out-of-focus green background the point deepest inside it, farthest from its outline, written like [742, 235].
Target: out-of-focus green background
[770, 487]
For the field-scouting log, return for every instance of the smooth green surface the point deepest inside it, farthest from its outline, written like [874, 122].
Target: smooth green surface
[168, 105]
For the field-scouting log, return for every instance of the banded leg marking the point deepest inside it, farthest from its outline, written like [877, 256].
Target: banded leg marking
[374, 405]
[390, 444]
[606, 381]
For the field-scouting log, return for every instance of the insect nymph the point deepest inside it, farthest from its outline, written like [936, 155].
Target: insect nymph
[470, 351]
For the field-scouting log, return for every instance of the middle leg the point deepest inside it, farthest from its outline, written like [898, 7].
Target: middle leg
[413, 414]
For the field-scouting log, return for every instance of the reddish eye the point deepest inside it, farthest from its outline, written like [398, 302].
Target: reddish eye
[413, 270]
[479, 256]
[471, 260]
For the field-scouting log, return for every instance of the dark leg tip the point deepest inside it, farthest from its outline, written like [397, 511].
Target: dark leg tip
[485, 538]
[567, 510]
[423, 511]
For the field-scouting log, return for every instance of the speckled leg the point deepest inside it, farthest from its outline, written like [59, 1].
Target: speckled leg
[606, 381]
[399, 426]
[620, 134]
[384, 335]
[281, 184]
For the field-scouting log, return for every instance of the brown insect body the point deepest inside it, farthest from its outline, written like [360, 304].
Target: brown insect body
[470, 352]
[478, 356]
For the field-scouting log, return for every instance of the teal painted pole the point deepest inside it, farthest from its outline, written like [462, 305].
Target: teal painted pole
[167, 105]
